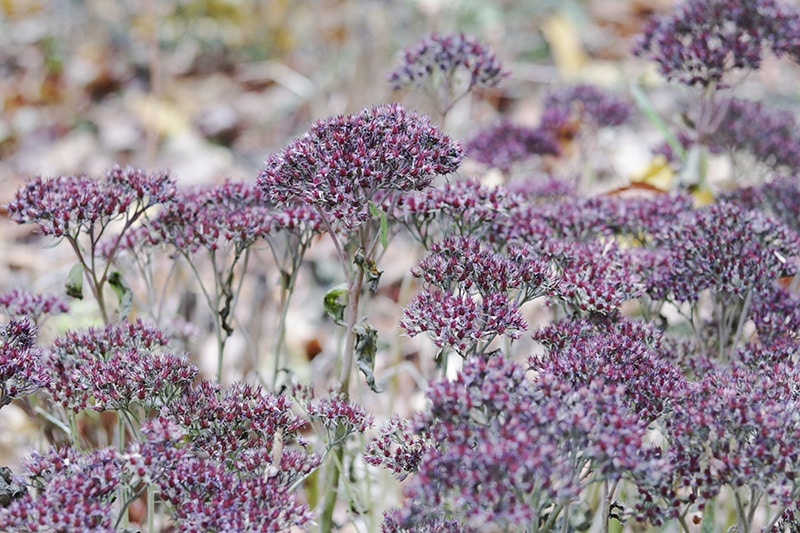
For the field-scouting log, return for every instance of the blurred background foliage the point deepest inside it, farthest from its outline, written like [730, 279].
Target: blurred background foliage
[208, 88]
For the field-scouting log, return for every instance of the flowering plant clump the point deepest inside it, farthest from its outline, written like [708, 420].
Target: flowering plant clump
[626, 351]
[737, 428]
[74, 492]
[493, 415]
[701, 42]
[204, 493]
[84, 212]
[620, 352]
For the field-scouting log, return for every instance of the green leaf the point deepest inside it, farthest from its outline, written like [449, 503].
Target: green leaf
[335, 302]
[646, 106]
[366, 347]
[370, 270]
[74, 283]
[124, 294]
[378, 212]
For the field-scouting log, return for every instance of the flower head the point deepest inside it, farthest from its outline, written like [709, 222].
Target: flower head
[116, 367]
[727, 249]
[340, 165]
[75, 492]
[503, 144]
[584, 104]
[21, 368]
[17, 303]
[448, 55]
[702, 41]
[69, 205]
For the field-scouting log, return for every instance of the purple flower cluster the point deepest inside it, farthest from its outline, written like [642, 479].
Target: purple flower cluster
[593, 277]
[20, 302]
[69, 205]
[22, 371]
[778, 198]
[232, 213]
[769, 135]
[339, 417]
[584, 219]
[510, 452]
[226, 424]
[473, 293]
[203, 493]
[584, 104]
[619, 352]
[702, 41]
[462, 322]
[74, 492]
[399, 448]
[504, 144]
[726, 249]
[463, 207]
[116, 367]
[737, 427]
[448, 55]
[342, 163]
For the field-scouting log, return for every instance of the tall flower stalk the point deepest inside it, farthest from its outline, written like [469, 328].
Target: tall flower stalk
[345, 167]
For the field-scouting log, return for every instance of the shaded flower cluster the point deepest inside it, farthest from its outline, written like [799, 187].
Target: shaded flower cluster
[702, 41]
[620, 352]
[735, 427]
[116, 367]
[472, 293]
[226, 424]
[778, 198]
[18, 303]
[726, 249]
[69, 205]
[205, 494]
[508, 449]
[448, 55]
[504, 144]
[459, 207]
[768, 134]
[22, 370]
[342, 162]
[584, 104]
[75, 492]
